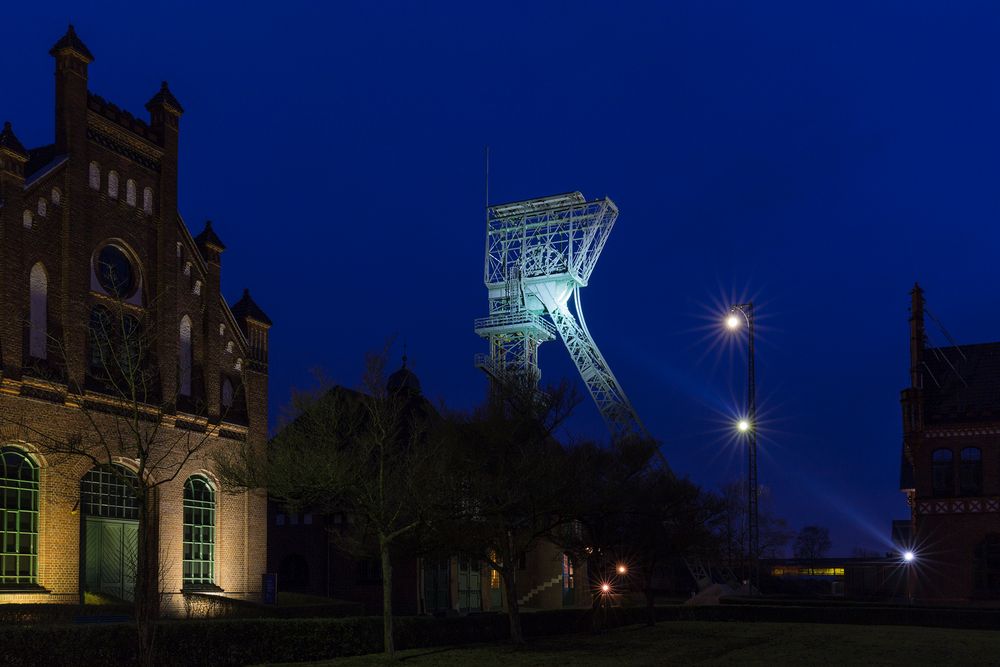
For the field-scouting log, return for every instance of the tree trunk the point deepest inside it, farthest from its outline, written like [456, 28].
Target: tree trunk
[387, 640]
[146, 594]
[509, 572]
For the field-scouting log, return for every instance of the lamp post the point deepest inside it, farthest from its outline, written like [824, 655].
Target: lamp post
[739, 314]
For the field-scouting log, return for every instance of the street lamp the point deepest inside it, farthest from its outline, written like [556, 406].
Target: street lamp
[908, 556]
[738, 314]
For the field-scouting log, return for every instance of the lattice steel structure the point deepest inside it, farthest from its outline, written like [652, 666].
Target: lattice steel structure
[539, 253]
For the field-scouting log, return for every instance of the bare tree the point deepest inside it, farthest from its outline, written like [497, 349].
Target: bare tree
[774, 531]
[365, 454]
[513, 484]
[123, 417]
[812, 542]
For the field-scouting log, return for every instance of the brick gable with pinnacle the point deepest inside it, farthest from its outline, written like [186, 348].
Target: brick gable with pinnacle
[58, 206]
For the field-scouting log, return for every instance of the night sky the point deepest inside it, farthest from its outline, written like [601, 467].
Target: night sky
[817, 160]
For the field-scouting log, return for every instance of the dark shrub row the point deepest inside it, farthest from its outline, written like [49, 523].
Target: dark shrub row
[248, 641]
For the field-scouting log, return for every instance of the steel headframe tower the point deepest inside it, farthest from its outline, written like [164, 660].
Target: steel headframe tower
[539, 253]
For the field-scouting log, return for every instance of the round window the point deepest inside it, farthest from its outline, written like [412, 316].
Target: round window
[115, 272]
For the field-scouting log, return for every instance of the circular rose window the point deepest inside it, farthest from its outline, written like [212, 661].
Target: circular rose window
[115, 272]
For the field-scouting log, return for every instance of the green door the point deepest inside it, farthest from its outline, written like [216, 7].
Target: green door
[110, 557]
[470, 592]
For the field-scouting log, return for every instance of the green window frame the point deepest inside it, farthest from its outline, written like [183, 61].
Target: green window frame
[199, 531]
[109, 492]
[18, 518]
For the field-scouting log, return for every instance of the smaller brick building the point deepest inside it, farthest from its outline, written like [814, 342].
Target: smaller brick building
[950, 469]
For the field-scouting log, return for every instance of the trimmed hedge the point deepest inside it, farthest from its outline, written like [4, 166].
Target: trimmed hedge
[248, 641]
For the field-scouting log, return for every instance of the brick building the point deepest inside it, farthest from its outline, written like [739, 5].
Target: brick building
[950, 469]
[89, 227]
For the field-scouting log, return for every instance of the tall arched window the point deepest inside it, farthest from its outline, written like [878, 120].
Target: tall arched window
[130, 192]
[27, 219]
[147, 201]
[970, 472]
[943, 472]
[113, 184]
[95, 176]
[43, 207]
[39, 309]
[199, 531]
[227, 393]
[186, 357]
[56, 196]
[18, 518]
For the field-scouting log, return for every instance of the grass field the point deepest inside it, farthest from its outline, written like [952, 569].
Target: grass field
[685, 643]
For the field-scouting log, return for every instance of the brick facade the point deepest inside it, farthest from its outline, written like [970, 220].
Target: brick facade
[51, 214]
[950, 469]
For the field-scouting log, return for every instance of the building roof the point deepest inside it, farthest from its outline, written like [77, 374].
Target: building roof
[961, 383]
[10, 141]
[209, 238]
[246, 307]
[403, 380]
[72, 42]
[164, 97]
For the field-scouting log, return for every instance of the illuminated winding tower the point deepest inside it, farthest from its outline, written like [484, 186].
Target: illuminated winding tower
[539, 253]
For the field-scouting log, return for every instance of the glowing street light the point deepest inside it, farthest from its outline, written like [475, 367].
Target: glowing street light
[908, 556]
[605, 588]
[739, 313]
[622, 569]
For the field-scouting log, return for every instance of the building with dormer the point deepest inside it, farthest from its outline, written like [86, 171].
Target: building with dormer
[89, 227]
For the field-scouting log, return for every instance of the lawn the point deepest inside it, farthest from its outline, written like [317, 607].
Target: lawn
[694, 642]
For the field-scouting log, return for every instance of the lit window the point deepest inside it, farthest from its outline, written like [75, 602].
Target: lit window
[222, 329]
[56, 196]
[130, 192]
[227, 393]
[186, 356]
[38, 318]
[18, 518]
[197, 288]
[42, 208]
[199, 531]
[147, 201]
[238, 365]
[187, 268]
[229, 347]
[27, 218]
[95, 176]
[113, 184]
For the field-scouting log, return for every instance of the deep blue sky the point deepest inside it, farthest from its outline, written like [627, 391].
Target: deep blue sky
[818, 159]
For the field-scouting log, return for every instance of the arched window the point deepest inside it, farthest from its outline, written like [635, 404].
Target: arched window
[238, 365]
[970, 472]
[186, 357]
[987, 566]
[199, 531]
[95, 176]
[109, 492]
[113, 184]
[147, 201]
[130, 192]
[943, 472]
[227, 393]
[196, 290]
[56, 196]
[38, 319]
[117, 346]
[27, 218]
[18, 518]
[42, 208]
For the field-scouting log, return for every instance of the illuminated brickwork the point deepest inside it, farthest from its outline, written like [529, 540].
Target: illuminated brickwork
[110, 179]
